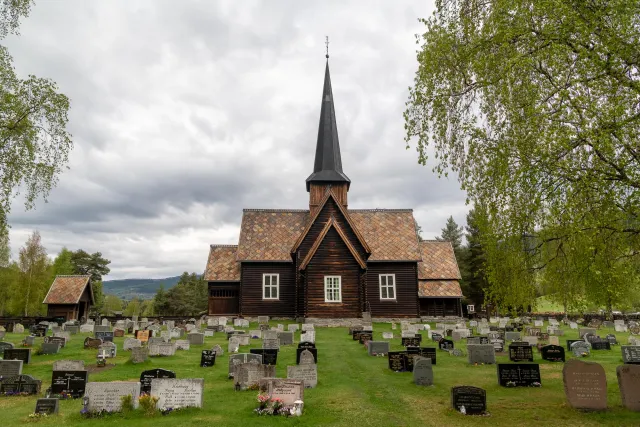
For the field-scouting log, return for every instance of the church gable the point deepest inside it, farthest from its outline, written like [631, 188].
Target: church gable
[332, 225]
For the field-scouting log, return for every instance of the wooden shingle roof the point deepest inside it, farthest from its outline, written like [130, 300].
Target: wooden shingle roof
[222, 264]
[439, 289]
[438, 261]
[390, 233]
[269, 234]
[67, 290]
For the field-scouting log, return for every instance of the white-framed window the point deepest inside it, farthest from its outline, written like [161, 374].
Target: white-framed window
[387, 286]
[471, 308]
[332, 288]
[270, 286]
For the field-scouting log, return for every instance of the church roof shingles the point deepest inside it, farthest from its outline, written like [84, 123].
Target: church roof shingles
[222, 264]
[438, 261]
[66, 290]
[439, 289]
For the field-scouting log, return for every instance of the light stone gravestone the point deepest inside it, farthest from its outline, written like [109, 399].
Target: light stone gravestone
[110, 348]
[573, 325]
[196, 338]
[222, 321]
[387, 335]
[105, 322]
[378, 348]
[579, 348]
[162, 349]
[285, 338]
[234, 345]
[68, 365]
[217, 350]
[394, 326]
[182, 344]
[293, 327]
[86, 329]
[271, 343]
[422, 371]
[189, 327]
[288, 390]
[512, 336]
[309, 336]
[531, 340]
[208, 332]
[621, 328]
[178, 393]
[306, 358]
[237, 359]
[585, 385]
[107, 395]
[269, 335]
[629, 384]
[244, 339]
[139, 354]
[554, 340]
[50, 348]
[256, 334]
[130, 343]
[538, 323]
[307, 372]
[481, 353]
[18, 328]
[307, 327]
[10, 368]
[248, 374]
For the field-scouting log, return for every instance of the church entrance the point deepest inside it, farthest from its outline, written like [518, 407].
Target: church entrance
[224, 300]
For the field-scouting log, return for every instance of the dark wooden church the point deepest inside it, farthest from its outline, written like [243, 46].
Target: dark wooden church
[331, 261]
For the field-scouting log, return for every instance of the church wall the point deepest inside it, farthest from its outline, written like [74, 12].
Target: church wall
[251, 301]
[406, 302]
[332, 259]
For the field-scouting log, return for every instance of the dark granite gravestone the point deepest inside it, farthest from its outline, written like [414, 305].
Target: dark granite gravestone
[69, 382]
[269, 355]
[397, 361]
[365, 336]
[355, 335]
[20, 384]
[436, 337]
[104, 336]
[147, 376]
[519, 352]
[92, 343]
[412, 342]
[553, 353]
[428, 353]
[23, 354]
[306, 345]
[612, 339]
[472, 399]
[46, 406]
[631, 354]
[445, 344]
[600, 344]
[521, 375]
[299, 351]
[38, 330]
[208, 358]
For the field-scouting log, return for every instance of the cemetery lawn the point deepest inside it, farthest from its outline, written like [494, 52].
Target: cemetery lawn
[354, 389]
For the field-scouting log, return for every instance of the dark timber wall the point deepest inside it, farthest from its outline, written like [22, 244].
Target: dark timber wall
[332, 259]
[406, 303]
[252, 304]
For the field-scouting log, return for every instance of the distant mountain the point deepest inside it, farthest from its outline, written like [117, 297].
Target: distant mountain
[141, 288]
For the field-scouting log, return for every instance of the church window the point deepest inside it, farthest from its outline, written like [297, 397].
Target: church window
[270, 286]
[387, 286]
[332, 288]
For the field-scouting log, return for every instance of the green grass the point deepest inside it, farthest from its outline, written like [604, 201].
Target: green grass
[353, 390]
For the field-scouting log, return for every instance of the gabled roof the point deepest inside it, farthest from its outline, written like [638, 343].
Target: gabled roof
[439, 289]
[438, 261]
[222, 264]
[269, 234]
[321, 236]
[68, 290]
[328, 163]
[331, 195]
[390, 233]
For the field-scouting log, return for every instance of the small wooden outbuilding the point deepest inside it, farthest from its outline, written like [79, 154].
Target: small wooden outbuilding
[70, 297]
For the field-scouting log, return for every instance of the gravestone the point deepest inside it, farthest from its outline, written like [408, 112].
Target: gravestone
[553, 353]
[207, 359]
[583, 331]
[307, 372]
[445, 344]
[162, 349]
[512, 336]
[271, 343]
[413, 341]
[68, 365]
[387, 335]
[106, 396]
[397, 361]
[237, 359]
[301, 351]
[61, 341]
[481, 353]
[196, 338]
[308, 327]
[257, 334]
[130, 343]
[139, 354]
[554, 340]
[630, 354]
[234, 345]
[143, 335]
[600, 344]
[178, 393]
[422, 371]
[292, 327]
[378, 348]
[269, 355]
[10, 368]
[46, 406]
[263, 319]
[435, 336]
[20, 384]
[104, 336]
[285, 338]
[287, 390]
[118, 333]
[182, 345]
[248, 374]
[629, 384]
[208, 332]
[18, 328]
[69, 382]
[147, 376]
[580, 348]
[520, 375]
[520, 351]
[217, 350]
[585, 385]
[530, 340]
[23, 354]
[309, 336]
[612, 339]
[472, 399]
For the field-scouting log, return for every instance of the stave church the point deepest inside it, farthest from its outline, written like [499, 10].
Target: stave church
[330, 261]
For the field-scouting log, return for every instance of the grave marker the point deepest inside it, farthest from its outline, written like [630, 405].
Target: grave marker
[207, 359]
[520, 351]
[178, 393]
[10, 368]
[629, 384]
[472, 399]
[585, 385]
[422, 372]
[147, 376]
[69, 382]
[23, 354]
[520, 375]
[553, 353]
[20, 384]
[46, 406]
[307, 372]
[106, 396]
[269, 355]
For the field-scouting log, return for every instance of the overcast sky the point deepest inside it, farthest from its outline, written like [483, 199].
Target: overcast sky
[184, 113]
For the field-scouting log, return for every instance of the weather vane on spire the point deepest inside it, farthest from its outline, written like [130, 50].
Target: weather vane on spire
[327, 44]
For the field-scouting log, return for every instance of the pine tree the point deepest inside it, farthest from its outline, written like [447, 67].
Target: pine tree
[473, 274]
[453, 233]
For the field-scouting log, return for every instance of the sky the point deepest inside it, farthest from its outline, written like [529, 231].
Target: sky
[184, 113]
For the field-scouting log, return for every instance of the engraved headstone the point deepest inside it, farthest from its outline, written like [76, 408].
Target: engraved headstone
[23, 354]
[146, 377]
[630, 354]
[553, 353]
[10, 368]
[377, 348]
[46, 406]
[293, 327]
[519, 375]
[196, 338]
[110, 348]
[182, 344]
[207, 359]
[580, 348]
[162, 349]
[130, 343]
[250, 373]
[585, 385]
[285, 338]
[472, 399]
[422, 371]
[307, 372]
[629, 384]
[481, 353]
[107, 396]
[217, 350]
[68, 365]
[139, 354]
[69, 382]
[520, 351]
[237, 359]
[234, 345]
[178, 393]
[20, 384]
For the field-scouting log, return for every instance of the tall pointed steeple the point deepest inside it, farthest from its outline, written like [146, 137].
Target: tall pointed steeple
[328, 164]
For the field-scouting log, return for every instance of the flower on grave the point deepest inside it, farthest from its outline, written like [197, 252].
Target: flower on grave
[536, 384]
[511, 384]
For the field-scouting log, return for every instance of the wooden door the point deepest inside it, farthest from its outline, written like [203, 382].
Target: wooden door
[224, 300]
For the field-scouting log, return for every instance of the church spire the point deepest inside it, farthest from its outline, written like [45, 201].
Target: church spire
[328, 164]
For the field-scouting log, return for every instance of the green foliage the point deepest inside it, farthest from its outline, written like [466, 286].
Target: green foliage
[5, 249]
[92, 264]
[188, 297]
[534, 106]
[34, 142]
[472, 266]
[98, 296]
[126, 403]
[148, 404]
[34, 280]
[62, 265]
[133, 308]
[111, 304]
[452, 233]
